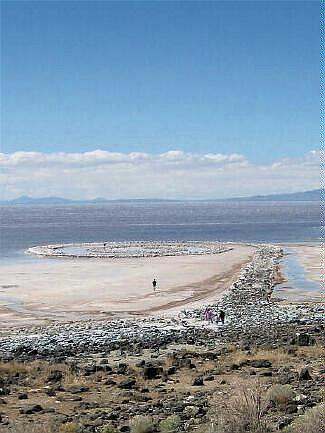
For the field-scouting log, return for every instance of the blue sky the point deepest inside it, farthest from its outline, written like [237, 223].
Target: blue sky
[199, 77]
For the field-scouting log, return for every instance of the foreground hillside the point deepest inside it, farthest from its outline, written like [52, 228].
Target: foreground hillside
[232, 388]
[259, 372]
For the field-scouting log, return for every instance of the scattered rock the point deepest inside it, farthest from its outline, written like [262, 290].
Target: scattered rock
[266, 373]
[127, 383]
[232, 367]
[208, 378]
[76, 389]
[304, 339]
[305, 374]
[151, 371]
[122, 368]
[171, 370]
[109, 382]
[261, 363]
[291, 408]
[31, 409]
[197, 381]
[50, 392]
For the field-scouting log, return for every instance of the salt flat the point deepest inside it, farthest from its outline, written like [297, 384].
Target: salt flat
[73, 289]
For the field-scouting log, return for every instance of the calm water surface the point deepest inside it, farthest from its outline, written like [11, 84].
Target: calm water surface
[296, 276]
[22, 226]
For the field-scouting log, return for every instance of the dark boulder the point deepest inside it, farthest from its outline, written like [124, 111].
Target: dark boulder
[122, 368]
[127, 383]
[76, 389]
[305, 374]
[29, 410]
[197, 381]
[151, 371]
[304, 339]
[261, 363]
[171, 370]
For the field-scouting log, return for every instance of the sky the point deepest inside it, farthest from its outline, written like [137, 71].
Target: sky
[169, 99]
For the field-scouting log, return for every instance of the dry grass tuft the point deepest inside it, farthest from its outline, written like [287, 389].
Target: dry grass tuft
[243, 413]
[281, 395]
[311, 422]
[278, 356]
[107, 428]
[311, 352]
[28, 427]
[141, 424]
[69, 427]
[170, 424]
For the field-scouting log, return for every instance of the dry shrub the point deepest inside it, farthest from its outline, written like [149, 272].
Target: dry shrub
[107, 428]
[170, 424]
[281, 395]
[169, 360]
[32, 367]
[242, 413]
[315, 352]
[278, 356]
[33, 427]
[312, 421]
[69, 427]
[141, 424]
[35, 371]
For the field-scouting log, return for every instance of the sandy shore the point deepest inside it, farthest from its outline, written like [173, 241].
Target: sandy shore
[42, 290]
[71, 289]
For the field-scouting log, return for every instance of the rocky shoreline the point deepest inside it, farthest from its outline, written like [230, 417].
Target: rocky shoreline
[251, 315]
[260, 372]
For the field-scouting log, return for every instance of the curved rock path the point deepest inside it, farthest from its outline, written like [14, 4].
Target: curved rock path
[129, 249]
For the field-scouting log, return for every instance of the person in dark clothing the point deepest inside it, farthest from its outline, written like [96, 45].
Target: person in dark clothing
[222, 316]
[154, 284]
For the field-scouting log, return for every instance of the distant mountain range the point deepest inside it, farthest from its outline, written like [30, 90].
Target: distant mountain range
[60, 200]
[314, 195]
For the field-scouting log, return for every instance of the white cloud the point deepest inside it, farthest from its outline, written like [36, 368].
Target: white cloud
[173, 174]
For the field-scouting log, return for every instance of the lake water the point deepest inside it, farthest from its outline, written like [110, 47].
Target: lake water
[23, 226]
[295, 275]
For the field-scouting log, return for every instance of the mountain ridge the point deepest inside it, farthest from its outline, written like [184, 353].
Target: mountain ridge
[311, 195]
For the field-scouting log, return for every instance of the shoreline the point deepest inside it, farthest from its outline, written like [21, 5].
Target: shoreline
[89, 373]
[82, 372]
[304, 281]
[251, 311]
[117, 286]
[193, 283]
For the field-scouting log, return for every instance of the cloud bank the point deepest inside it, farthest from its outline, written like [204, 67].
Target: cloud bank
[174, 174]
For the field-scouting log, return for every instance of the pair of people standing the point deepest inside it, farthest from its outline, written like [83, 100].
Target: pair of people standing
[209, 315]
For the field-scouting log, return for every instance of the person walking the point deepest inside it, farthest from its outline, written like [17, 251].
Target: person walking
[154, 284]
